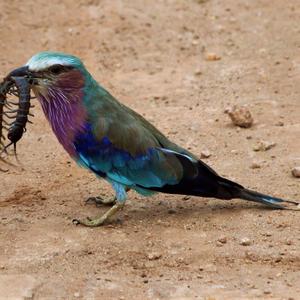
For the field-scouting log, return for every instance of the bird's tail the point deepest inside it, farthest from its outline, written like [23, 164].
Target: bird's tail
[268, 200]
[227, 189]
[235, 190]
[207, 183]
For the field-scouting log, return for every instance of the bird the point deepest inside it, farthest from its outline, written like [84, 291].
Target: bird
[119, 145]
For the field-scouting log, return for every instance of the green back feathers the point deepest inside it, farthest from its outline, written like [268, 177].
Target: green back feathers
[126, 129]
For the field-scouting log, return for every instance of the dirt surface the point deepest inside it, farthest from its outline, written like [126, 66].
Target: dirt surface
[180, 64]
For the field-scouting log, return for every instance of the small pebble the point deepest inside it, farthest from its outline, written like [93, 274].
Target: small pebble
[264, 145]
[251, 256]
[212, 56]
[268, 234]
[198, 72]
[296, 172]
[279, 123]
[245, 241]
[154, 256]
[222, 239]
[277, 259]
[288, 242]
[219, 244]
[240, 116]
[255, 165]
[205, 154]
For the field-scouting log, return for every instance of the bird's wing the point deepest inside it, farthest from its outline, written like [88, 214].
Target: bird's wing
[122, 145]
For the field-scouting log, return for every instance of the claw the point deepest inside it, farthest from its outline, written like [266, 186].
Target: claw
[99, 201]
[98, 221]
[92, 200]
[76, 222]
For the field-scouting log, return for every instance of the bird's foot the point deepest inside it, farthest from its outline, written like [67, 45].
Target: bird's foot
[98, 221]
[99, 201]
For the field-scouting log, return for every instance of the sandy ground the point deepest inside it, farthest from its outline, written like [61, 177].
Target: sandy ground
[151, 55]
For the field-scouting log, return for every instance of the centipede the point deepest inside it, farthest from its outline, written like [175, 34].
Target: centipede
[13, 114]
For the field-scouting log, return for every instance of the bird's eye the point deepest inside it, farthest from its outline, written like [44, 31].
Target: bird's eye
[56, 69]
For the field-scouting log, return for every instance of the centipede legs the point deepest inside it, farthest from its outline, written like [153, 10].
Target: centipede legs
[13, 115]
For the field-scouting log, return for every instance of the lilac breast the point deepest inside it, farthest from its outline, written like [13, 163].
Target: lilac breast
[62, 103]
[66, 119]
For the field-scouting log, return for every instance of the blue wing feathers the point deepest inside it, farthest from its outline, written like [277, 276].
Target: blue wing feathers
[148, 169]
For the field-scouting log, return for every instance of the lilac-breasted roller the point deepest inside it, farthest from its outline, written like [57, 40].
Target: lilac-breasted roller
[118, 144]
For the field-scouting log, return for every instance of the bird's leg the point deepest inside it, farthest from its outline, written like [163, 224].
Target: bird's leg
[100, 220]
[99, 201]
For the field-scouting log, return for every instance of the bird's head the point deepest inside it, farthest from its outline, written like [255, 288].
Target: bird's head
[54, 76]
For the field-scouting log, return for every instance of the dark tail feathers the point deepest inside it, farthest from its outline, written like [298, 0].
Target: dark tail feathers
[205, 182]
[237, 191]
[268, 200]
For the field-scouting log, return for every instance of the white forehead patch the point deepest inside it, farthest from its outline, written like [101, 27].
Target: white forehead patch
[38, 63]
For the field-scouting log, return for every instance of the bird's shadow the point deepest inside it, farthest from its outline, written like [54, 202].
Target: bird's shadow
[181, 210]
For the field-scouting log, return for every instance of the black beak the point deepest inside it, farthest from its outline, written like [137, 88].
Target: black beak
[20, 72]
